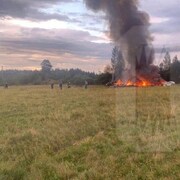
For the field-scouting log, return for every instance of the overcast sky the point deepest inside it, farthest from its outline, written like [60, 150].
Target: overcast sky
[70, 35]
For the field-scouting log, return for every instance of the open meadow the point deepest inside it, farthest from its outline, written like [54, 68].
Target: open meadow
[94, 133]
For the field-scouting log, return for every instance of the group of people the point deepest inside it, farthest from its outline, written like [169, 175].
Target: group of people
[60, 85]
[6, 86]
[52, 85]
[68, 85]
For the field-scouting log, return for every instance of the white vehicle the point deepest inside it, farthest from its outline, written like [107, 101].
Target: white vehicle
[170, 83]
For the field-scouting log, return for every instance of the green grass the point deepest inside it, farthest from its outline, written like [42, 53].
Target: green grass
[98, 133]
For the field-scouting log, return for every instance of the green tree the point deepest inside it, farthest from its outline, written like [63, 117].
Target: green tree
[117, 62]
[175, 59]
[46, 66]
[175, 70]
[167, 61]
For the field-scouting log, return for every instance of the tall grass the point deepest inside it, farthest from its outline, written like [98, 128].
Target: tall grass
[98, 133]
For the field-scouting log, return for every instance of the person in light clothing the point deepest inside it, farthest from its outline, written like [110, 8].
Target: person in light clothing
[86, 85]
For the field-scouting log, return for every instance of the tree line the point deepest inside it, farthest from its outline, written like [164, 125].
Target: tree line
[169, 70]
[48, 75]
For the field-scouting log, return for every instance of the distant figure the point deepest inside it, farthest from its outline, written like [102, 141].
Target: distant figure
[85, 84]
[60, 84]
[69, 85]
[6, 86]
[52, 85]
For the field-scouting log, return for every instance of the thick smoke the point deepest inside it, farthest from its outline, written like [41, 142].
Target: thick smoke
[129, 30]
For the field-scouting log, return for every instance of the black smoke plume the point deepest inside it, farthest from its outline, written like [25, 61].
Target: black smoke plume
[129, 29]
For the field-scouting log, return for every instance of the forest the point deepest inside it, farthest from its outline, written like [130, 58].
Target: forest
[169, 70]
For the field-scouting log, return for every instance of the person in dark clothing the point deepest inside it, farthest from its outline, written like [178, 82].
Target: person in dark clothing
[69, 85]
[60, 84]
[6, 86]
[52, 85]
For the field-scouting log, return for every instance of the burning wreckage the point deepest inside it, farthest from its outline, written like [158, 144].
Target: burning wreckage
[141, 72]
[129, 29]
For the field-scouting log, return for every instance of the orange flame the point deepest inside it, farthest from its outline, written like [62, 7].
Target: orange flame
[139, 83]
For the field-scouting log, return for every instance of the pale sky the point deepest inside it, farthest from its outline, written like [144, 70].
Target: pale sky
[70, 35]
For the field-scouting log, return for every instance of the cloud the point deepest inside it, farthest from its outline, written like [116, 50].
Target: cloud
[25, 46]
[25, 55]
[169, 27]
[69, 35]
[94, 22]
[30, 9]
[60, 46]
[70, 48]
[167, 10]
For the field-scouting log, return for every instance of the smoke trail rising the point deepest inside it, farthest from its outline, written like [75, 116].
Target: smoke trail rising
[129, 28]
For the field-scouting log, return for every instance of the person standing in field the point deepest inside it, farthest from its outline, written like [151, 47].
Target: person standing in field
[6, 86]
[52, 85]
[69, 85]
[60, 84]
[85, 84]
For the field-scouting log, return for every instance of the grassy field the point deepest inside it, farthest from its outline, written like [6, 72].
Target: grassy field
[98, 133]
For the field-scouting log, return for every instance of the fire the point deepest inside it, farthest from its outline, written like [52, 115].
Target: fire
[144, 77]
[139, 83]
